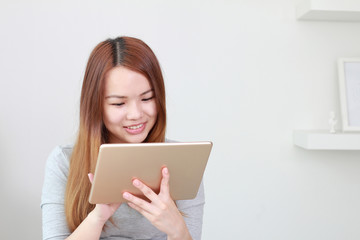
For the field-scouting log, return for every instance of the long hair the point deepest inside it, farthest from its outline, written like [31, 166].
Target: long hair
[135, 55]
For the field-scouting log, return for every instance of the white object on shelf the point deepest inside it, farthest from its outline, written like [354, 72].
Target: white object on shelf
[323, 140]
[332, 122]
[329, 10]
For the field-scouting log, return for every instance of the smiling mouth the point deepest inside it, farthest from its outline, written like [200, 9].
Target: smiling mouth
[135, 126]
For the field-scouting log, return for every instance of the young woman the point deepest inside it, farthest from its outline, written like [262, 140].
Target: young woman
[122, 101]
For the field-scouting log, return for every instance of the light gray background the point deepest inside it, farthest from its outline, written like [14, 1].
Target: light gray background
[242, 73]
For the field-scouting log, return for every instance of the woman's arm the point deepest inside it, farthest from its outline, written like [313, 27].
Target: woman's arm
[90, 228]
[54, 224]
[93, 224]
[162, 211]
[52, 203]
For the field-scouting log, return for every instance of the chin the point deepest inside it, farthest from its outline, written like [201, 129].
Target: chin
[136, 139]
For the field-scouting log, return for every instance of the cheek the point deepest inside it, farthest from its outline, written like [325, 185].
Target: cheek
[112, 117]
[151, 110]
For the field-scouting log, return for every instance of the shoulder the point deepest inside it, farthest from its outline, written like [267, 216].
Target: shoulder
[56, 173]
[63, 150]
[59, 159]
[60, 154]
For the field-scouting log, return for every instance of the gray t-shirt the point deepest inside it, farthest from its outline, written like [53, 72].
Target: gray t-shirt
[129, 224]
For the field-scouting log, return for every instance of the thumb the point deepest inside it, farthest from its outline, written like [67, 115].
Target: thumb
[91, 177]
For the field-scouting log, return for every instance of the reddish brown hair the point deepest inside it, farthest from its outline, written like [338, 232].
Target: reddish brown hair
[133, 54]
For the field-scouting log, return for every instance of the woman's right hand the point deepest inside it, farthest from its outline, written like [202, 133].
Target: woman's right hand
[102, 212]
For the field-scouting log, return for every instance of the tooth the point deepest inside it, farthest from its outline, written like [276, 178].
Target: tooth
[135, 127]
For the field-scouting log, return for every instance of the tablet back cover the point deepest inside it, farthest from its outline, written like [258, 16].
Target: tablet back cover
[119, 164]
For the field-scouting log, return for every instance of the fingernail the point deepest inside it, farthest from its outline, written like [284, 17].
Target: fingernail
[136, 182]
[126, 195]
[166, 171]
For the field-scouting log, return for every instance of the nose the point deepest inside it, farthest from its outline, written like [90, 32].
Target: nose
[134, 111]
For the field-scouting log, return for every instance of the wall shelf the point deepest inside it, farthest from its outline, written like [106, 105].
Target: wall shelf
[323, 140]
[329, 10]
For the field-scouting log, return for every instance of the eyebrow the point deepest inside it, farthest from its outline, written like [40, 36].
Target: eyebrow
[118, 96]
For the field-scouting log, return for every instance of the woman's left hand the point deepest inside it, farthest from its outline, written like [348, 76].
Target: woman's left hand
[162, 211]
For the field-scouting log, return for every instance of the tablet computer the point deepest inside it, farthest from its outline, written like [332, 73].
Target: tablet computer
[119, 164]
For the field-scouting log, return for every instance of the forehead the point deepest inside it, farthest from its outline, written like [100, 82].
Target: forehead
[121, 80]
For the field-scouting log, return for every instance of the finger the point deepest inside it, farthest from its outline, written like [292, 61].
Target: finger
[164, 187]
[148, 192]
[138, 202]
[91, 177]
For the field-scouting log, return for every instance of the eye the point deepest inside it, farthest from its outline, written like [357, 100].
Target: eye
[147, 99]
[117, 104]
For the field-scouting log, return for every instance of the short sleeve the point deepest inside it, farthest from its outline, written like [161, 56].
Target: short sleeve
[54, 223]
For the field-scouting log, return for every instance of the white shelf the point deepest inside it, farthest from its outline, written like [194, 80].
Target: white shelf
[323, 140]
[329, 10]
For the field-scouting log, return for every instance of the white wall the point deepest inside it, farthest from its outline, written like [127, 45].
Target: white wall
[243, 74]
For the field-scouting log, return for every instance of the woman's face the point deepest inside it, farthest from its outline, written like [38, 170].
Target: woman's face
[129, 106]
